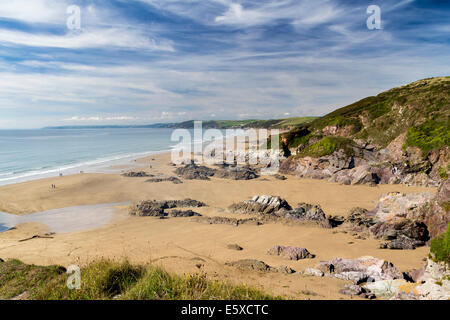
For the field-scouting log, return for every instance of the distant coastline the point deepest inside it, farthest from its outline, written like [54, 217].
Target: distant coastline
[216, 124]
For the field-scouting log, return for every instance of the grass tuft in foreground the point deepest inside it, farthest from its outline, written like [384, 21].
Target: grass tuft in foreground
[105, 279]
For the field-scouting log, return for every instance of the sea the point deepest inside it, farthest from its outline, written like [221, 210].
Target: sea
[35, 154]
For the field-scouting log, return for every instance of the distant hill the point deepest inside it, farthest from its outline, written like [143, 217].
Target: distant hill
[217, 124]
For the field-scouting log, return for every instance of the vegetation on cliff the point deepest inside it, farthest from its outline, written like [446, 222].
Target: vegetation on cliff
[420, 109]
[105, 279]
[440, 247]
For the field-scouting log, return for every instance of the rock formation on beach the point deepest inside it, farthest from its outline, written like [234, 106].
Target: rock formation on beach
[193, 171]
[399, 136]
[275, 208]
[290, 253]
[155, 208]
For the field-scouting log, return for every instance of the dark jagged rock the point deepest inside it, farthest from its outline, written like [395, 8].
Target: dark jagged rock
[359, 217]
[237, 173]
[195, 172]
[139, 174]
[174, 180]
[436, 213]
[394, 229]
[275, 208]
[157, 208]
[181, 213]
[307, 212]
[228, 221]
[261, 205]
[402, 243]
[279, 177]
[290, 253]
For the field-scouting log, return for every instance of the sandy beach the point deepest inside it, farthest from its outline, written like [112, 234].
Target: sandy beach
[184, 246]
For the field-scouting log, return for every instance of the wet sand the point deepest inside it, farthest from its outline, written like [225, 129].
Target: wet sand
[180, 244]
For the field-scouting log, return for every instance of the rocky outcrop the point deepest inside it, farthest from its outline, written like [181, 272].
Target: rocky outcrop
[174, 180]
[394, 219]
[182, 214]
[402, 243]
[290, 253]
[154, 208]
[307, 212]
[435, 213]
[134, 174]
[261, 205]
[276, 208]
[195, 172]
[228, 221]
[237, 173]
[435, 281]
[398, 205]
[251, 265]
[361, 270]
[369, 166]
[258, 266]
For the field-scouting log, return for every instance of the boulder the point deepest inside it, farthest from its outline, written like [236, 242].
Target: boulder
[133, 174]
[352, 290]
[359, 217]
[360, 270]
[435, 281]
[399, 229]
[402, 243]
[174, 180]
[183, 214]
[155, 208]
[261, 205]
[307, 212]
[251, 265]
[435, 214]
[290, 253]
[228, 221]
[237, 173]
[397, 205]
[195, 172]
[386, 288]
[313, 272]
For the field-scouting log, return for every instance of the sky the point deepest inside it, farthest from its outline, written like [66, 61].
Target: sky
[151, 61]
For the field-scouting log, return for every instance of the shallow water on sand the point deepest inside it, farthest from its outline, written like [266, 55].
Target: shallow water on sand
[65, 220]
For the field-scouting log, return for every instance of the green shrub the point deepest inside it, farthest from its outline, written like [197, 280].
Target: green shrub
[327, 146]
[443, 173]
[430, 135]
[440, 246]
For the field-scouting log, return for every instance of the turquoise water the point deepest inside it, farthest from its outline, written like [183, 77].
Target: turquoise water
[33, 154]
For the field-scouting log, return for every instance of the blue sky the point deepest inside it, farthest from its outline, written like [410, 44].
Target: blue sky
[147, 61]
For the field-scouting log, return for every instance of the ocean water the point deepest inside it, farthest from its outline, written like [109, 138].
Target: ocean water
[34, 154]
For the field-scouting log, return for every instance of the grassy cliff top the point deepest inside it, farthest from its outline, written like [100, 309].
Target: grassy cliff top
[420, 109]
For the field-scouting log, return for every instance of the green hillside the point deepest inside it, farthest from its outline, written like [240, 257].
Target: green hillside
[420, 109]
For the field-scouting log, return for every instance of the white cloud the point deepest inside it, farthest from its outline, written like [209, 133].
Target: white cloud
[98, 118]
[100, 38]
[34, 11]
